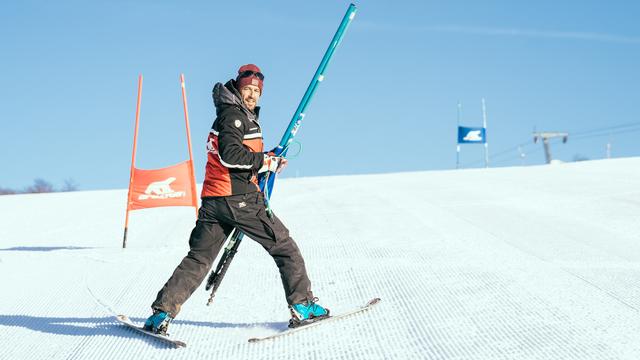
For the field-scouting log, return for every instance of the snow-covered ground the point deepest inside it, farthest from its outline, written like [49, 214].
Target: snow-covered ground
[512, 263]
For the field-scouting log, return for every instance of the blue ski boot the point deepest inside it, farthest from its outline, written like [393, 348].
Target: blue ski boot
[158, 323]
[306, 313]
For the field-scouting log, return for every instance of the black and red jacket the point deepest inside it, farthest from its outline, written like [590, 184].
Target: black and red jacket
[235, 147]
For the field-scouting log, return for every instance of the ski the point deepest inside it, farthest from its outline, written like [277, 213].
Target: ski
[325, 320]
[124, 319]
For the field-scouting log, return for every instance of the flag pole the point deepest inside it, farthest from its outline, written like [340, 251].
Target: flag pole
[457, 137]
[194, 196]
[486, 143]
[133, 161]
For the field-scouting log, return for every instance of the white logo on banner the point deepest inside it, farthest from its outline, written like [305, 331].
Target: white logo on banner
[473, 135]
[161, 190]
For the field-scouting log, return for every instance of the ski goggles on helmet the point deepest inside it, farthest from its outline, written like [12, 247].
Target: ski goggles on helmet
[249, 73]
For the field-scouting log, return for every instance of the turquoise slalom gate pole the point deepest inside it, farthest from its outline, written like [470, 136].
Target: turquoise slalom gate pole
[298, 116]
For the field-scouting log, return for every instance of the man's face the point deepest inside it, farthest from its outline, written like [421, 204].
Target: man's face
[250, 95]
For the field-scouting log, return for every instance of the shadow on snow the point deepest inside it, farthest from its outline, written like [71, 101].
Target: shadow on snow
[109, 326]
[45, 248]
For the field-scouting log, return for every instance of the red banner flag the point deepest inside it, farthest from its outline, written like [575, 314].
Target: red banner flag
[170, 186]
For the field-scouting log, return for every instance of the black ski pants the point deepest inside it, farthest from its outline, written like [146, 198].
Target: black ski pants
[216, 219]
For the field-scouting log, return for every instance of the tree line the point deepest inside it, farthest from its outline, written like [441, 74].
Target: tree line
[41, 186]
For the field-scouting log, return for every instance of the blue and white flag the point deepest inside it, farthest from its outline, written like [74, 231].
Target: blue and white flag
[471, 135]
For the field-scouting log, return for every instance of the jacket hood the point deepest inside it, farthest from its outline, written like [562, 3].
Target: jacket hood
[227, 95]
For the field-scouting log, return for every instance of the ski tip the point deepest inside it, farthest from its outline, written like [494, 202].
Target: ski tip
[373, 301]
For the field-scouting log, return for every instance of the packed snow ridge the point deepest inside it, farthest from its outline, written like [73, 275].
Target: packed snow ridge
[513, 263]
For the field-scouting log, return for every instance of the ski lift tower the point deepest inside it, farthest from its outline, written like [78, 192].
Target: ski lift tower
[545, 136]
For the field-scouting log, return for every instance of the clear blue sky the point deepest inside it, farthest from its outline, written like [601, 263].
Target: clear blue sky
[388, 103]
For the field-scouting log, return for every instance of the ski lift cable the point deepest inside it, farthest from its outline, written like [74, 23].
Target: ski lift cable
[585, 132]
[620, 131]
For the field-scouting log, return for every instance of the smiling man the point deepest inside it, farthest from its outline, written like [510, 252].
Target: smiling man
[231, 199]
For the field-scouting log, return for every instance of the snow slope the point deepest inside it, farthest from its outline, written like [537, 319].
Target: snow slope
[511, 263]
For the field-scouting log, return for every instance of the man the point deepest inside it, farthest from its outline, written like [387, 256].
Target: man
[231, 198]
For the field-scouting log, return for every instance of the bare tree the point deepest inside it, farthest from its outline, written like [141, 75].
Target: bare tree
[40, 186]
[580, 157]
[69, 185]
[4, 191]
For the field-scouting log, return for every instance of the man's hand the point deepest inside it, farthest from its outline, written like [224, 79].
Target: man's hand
[273, 163]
